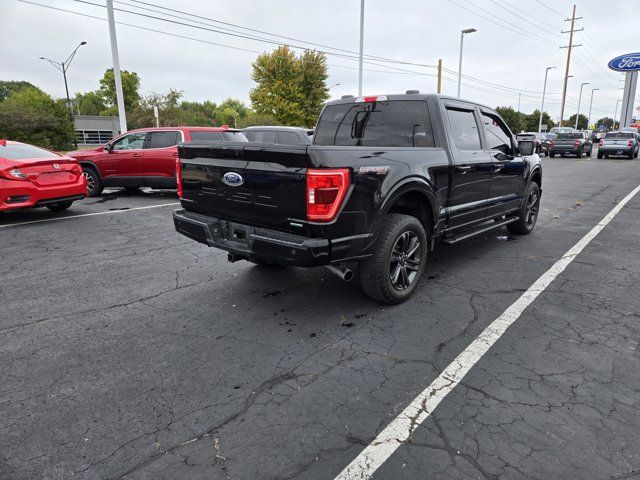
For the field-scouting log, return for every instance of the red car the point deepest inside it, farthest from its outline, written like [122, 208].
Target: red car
[144, 157]
[35, 177]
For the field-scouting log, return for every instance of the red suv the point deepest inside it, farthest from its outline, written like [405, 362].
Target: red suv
[144, 157]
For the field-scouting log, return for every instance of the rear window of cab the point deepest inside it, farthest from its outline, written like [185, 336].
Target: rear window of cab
[399, 123]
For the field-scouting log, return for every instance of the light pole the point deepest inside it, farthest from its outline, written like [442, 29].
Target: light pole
[616, 114]
[63, 67]
[334, 85]
[360, 55]
[122, 114]
[579, 100]
[462, 33]
[544, 91]
[590, 104]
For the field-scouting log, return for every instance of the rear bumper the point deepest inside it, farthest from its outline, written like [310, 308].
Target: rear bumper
[253, 243]
[616, 151]
[566, 150]
[18, 194]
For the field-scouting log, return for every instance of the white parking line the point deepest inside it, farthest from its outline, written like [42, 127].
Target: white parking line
[87, 215]
[402, 427]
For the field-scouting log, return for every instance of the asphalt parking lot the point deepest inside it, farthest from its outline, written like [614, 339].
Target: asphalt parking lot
[129, 351]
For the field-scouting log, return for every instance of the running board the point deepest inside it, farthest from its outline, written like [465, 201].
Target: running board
[478, 231]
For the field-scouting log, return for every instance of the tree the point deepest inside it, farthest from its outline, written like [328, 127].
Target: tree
[571, 122]
[291, 89]
[32, 116]
[530, 122]
[606, 121]
[8, 87]
[90, 103]
[230, 112]
[130, 89]
[256, 119]
[513, 119]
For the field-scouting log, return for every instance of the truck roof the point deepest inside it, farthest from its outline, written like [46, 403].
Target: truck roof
[405, 96]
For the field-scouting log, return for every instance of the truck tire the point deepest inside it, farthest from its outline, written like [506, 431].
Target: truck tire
[59, 207]
[552, 155]
[94, 184]
[398, 262]
[600, 155]
[528, 211]
[630, 155]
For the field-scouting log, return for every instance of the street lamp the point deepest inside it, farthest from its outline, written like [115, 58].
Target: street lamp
[579, 100]
[544, 91]
[616, 114]
[462, 33]
[590, 104]
[63, 67]
[360, 53]
[334, 85]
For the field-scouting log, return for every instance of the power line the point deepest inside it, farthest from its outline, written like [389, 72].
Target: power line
[542, 25]
[504, 23]
[551, 9]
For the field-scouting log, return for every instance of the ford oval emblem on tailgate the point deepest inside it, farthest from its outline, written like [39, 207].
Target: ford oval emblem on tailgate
[232, 179]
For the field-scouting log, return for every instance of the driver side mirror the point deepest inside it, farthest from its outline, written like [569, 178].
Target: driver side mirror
[526, 147]
[109, 147]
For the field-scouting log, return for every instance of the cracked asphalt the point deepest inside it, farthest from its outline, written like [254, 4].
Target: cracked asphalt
[129, 351]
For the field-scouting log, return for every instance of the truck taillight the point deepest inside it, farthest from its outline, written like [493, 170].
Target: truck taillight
[630, 143]
[179, 177]
[577, 143]
[326, 190]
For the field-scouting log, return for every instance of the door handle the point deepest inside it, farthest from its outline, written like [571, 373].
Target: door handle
[137, 155]
[463, 168]
[175, 154]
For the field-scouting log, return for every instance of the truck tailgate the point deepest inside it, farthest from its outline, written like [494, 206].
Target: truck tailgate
[251, 183]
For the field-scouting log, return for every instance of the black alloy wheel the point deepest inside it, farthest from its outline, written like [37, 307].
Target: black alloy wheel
[404, 263]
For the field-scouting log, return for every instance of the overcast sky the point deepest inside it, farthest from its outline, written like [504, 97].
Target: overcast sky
[514, 43]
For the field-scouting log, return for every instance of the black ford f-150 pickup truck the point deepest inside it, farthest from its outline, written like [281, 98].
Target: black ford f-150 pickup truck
[385, 178]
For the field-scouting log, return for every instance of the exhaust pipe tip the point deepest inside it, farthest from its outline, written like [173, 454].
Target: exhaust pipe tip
[341, 272]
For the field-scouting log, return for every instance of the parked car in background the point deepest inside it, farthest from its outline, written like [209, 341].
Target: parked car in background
[145, 157]
[280, 135]
[539, 140]
[34, 177]
[573, 143]
[372, 189]
[619, 144]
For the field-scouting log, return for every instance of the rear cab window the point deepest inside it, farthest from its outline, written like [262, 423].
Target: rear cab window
[396, 123]
[18, 151]
[619, 135]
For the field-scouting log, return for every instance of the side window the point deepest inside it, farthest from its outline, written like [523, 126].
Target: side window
[133, 141]
[464, 129]
[163, 139]
[249, 135]
[288, 138]
[497, 134]
[266, 136]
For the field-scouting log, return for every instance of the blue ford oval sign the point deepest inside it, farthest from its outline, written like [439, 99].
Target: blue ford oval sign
[232, 179]
[626, 63]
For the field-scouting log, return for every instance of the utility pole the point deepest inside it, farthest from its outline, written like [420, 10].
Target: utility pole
[519, 96]
[361, 45]
[616, 114]
[439, 76]
[122, 115]
[544, 91]
[571, 31]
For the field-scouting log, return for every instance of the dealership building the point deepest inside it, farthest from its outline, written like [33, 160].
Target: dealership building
[93, 130]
